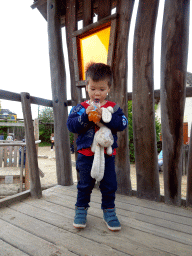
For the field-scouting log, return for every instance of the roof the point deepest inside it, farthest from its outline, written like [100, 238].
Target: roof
[41, 5]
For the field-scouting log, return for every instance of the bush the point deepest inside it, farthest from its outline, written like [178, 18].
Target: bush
[45, 124]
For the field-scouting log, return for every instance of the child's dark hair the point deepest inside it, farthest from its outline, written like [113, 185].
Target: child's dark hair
[98, 72]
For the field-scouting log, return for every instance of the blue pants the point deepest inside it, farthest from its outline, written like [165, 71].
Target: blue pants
[108, 185]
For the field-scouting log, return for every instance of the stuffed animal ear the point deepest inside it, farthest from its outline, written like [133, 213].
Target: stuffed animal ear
[109, 151]
[110, 109]
[106, 115]
[93, 146]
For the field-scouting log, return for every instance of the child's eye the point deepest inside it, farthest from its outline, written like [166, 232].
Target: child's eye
[102, 90]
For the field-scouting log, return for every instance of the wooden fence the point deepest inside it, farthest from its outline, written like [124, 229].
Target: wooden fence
[34, 100]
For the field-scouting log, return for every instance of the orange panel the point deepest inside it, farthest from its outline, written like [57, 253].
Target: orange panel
[94, 48]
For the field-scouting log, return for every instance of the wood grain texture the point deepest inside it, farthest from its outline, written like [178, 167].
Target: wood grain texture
[35, 185]
[143, 102]
[104, 8]
[87, 12]
[42, 226]
[58, 85]
[118, 92]
[173, 87]
[71, 26]
[112, 38]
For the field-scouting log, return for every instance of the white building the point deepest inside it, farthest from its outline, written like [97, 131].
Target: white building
[188, 108]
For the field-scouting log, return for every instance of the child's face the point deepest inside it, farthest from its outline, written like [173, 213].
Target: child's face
[98, 90]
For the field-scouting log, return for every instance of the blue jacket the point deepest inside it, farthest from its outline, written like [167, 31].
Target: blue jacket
[79, 123]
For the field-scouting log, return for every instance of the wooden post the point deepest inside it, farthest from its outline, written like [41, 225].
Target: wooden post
[58, 84]
[173, 82]
[189, 174]
[27, 176]
[35, 186]
[71, 26]
[21, 169]
[87, 12]
[119, 93]
[143, 102]
[104, 9]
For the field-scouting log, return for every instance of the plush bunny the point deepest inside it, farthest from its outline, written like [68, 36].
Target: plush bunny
[102, 139]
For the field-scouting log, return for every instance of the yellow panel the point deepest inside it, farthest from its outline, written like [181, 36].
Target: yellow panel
[94, 48]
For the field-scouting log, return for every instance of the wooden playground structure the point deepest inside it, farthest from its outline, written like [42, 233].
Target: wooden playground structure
[152, 224]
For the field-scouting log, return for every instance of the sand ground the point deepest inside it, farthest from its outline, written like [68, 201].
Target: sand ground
[47, 163]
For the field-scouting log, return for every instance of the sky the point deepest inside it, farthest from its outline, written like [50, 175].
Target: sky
[24, 53]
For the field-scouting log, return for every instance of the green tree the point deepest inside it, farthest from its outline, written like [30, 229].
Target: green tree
[45, 124]
[130, 120]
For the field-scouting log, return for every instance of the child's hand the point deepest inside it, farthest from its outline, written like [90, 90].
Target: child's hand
[99, 111]
[89, 109]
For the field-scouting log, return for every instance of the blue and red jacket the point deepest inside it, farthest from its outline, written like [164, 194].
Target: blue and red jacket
[79, 123]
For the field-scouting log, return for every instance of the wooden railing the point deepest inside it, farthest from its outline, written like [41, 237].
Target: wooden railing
[26, 100]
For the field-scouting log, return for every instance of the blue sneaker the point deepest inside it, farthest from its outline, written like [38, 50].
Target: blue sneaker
[80, 217]
[111, 220]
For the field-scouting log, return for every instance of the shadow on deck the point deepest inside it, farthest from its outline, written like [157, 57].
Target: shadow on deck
[44, 227]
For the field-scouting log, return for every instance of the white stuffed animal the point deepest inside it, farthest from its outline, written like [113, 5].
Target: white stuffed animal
[102, 139]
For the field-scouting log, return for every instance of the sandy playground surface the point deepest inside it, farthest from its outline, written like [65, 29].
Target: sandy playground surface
[47, 163]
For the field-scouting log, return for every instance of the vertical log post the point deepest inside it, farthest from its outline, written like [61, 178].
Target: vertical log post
[189, 174]
[27, 176]
[35, 185]
[21, 169]
[173, 82]
[58, 84]
[104, 9]
[119, 92]
[143, 102]
[71, 26]
[87, 12]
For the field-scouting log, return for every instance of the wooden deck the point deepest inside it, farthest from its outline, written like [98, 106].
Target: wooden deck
[44, 227]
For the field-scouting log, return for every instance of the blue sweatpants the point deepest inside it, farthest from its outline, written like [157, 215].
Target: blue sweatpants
[108, 185]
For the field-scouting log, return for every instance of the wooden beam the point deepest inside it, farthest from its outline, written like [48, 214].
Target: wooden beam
[112, 42]
[189, 174]
[143, 102]
[15, 198]
[35, 185]
[173, 86]
[118, 92]
[81, 83]
[87, 12]
[6, 95]
[38, 3]
[12, 124]
[104, 9]
[94, 26]
[59, 93]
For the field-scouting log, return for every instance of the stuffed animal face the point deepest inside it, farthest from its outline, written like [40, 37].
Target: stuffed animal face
[104, 137]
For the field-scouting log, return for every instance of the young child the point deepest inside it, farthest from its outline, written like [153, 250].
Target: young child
[99, 79]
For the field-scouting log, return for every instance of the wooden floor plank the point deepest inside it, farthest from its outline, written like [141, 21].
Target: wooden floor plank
[96, 228]
[27, 242]
[181, 211]
[7, 249]
[55, 235]
[162, 231]
[70, 202]
[102, 235]
[158, 212]
[44, 227]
